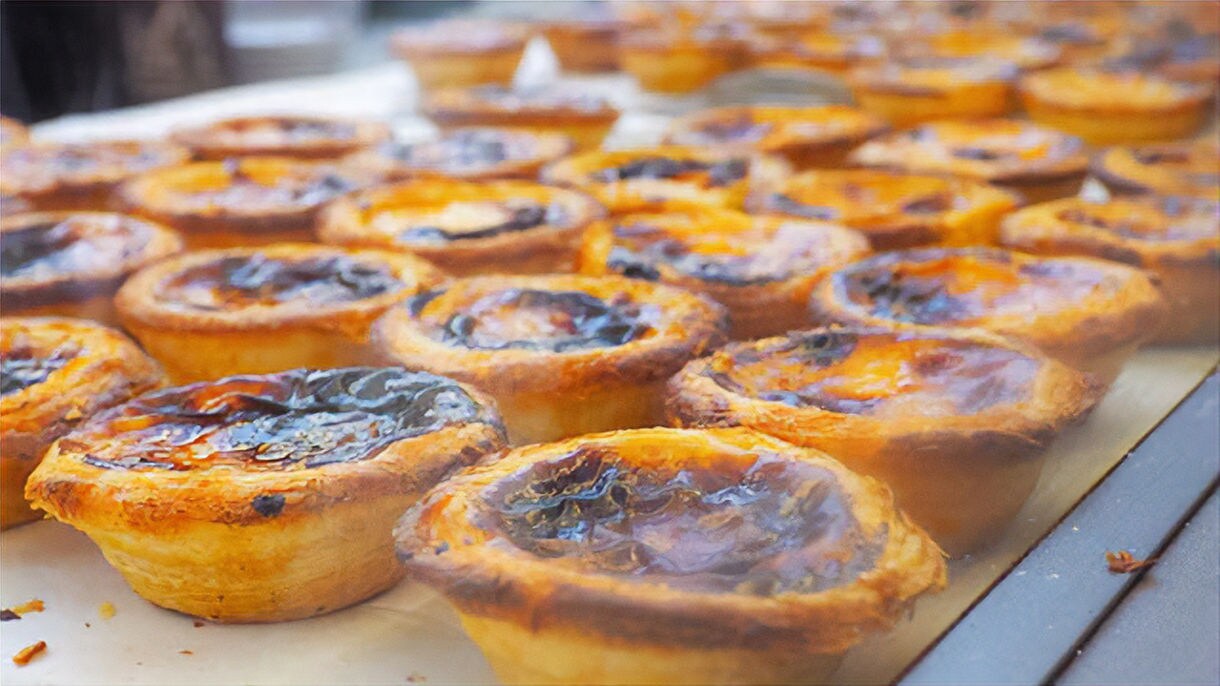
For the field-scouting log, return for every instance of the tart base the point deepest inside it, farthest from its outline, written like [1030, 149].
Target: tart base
[21, 453]
[543, 417]
[1106, 128]
[552, 656]
[190, 356]
[966, 101]
[265, 572]
[1190, 292]
[99, 308]
[440, 70]
[1104, 368]
[1046, 190]
[675, 69]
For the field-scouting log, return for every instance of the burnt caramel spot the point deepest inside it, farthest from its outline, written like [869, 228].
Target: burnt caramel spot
[291, 420]
[786, 204]
[558, 321]
[933, 203]
[65, 247]
[1154, 156]
[21, 366]
[460, 151]
[268, 505]
[903, 297]
[1180, 219]
[262, 280]
[980, 154]
[757, 524]
[871, 373]
[516, 217]
[655, 167]
[295, 129]
[742, 128]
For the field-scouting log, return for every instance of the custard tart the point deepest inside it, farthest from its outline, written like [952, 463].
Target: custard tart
[262, 498]
[1188, 169]
[562, 354]
[1027, 53]
[913, 91]
[835, 53]
[80, 176]
[466, 228]
[1038, 163]
[1176, 239]
[584, 118]
[807, 137]
[644, 178]
[461, 52]
[299, 137]
[240, 202]
[894, 210]
[678, 61]
[474, 154]
[214, 313]
[71, 263]
[760, 268]
[12, 132]
[955, 421]
[667, 556]
[586, 45]
[1090, 314]
[54, 372]
[1108, 107]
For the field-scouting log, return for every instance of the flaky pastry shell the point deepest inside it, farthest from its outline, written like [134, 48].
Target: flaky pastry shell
[1176, 239]
[642, 178]
[466, 228]
[56, 373]
[759, 267]
[1090, 314]
[584, 118]
[894, 210]
[263, 498]
[70, 264]
[955, 421]
[241, 202]
[301, 137]
[1037, 163]
[563, 354]
[214, 313]
[1107, 107]
[807, 137]
[80, 176]
[586, 45]
[527, 582]
[461, 52]
[675, 62]
[1185, 168]
[927, 89]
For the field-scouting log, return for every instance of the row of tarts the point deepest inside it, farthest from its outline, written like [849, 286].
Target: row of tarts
[733, 550]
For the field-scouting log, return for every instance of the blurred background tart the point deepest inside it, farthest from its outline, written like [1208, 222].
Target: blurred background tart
[1189, 168]
[923, 89]
[461, 52]
[474, 154]
[280, 136]
[80, 176]
[584, 118]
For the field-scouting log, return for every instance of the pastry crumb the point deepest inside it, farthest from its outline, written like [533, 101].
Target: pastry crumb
[25, 608]
[416, 678]
[186, 652]
[198, 623]
[23, 656]
[106, 610]
[1124, 562]
[7, 615]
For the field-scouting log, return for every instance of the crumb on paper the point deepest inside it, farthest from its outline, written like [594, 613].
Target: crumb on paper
[106, 610]
[1124, 562]
[16, 611]
[23, 656]
[88, 625]
[186, 652]
[199, 623]
[416, 678]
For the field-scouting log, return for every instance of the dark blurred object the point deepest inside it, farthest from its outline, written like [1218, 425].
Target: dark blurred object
[58, 57]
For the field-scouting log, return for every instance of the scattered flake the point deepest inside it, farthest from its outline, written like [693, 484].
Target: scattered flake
[186, 652]
[25, 608]
[106, 610]
[199, 623]
[6, 615]
[23, 656]
[1124, 562]
[416, 678]
[88, 625]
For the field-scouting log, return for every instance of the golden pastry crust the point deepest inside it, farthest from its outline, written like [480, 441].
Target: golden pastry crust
[586, 45]
[1177, 239]
[525, 581]
[894, 210]
[71, 263]
[211, 313]
[472, 154]
[642, 178]
[926, 89]
[807, 137]
[562, 354]
[301, 137]
[1090, 314]
[466, 228]
[57, 372]
[461, 52]
[13, 132]
[1040, 164]
[80, 176]
[1027, 53]
[1107, 107]
[760, 268]
[955, 421]
[677, 62]
[263, 498]
[586, 119]
[831, 52]
[1188, 168]
[242, 202]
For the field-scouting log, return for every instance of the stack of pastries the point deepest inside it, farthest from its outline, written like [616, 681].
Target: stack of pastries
[710, 411]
